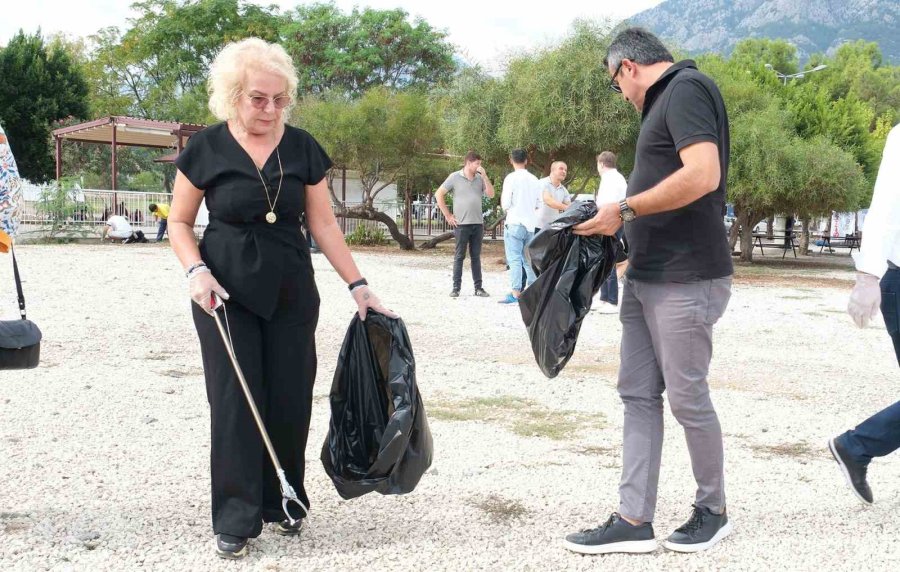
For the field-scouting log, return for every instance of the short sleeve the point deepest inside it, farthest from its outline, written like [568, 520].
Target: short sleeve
[691, 114]
[448, 182]
[195, 160]
[316, 160]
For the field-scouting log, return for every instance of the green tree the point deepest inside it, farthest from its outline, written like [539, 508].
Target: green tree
[40, 84]
[366, 48]
[383, 135]
[554, 102]
[162, 61]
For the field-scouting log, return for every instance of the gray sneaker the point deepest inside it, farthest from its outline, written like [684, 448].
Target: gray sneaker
[701, 532]
[481, 293]
[454, 293]
[615, 535]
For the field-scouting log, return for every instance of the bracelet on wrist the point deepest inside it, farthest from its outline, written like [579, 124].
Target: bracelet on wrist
[354, 285]
[193, 267]
[198, 270]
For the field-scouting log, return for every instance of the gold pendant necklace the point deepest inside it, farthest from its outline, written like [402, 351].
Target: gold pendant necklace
[271, 217]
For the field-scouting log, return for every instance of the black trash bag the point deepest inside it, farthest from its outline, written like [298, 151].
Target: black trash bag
[378, 437]
[570, 270]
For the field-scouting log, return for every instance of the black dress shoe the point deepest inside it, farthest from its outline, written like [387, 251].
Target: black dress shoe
[231, 547]
[854, 473]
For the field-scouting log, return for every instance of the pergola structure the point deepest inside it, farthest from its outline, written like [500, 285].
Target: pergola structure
[121, 130]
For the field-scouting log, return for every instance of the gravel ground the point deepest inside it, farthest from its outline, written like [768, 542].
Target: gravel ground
[104, 448]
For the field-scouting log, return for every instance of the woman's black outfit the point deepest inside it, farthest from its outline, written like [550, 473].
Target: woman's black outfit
[272, 314]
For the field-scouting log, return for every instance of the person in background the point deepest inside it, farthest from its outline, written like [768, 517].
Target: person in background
[519, 200]
[611, 190]
[877, 285]
[554, 195]
[160, 211]
[468, 186]
[118, 228]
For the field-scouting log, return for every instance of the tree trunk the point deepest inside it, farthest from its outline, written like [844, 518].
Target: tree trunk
[804, 236]
[431, 243]
[449, 234]
[364, 212]
[770, 227]
[746, 236]
[733, 232]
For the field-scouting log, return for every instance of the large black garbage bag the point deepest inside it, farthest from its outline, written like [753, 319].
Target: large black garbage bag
[570, 271]
[378, 438]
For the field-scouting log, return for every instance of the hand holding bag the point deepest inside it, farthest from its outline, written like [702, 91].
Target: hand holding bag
[20, 340]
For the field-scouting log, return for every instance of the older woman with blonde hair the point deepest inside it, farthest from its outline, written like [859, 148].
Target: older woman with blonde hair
[260, 178]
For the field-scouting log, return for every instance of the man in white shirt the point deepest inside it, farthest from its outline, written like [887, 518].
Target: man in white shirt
[877, 284]
[554, 195]
[612, 190]
[117, 228]
[520, 200]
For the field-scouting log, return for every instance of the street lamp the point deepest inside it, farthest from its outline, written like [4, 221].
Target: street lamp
[799, 75]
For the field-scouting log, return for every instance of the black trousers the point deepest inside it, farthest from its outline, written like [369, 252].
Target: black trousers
[278, 358]
[471, 236]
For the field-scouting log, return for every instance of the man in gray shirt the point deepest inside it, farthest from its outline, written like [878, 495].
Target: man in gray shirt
[468, 186]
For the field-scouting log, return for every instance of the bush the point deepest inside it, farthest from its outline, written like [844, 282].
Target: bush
[365, 236]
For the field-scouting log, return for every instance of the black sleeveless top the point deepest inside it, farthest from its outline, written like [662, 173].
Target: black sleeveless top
[246, 254]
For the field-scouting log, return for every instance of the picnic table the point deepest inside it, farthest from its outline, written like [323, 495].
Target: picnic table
[850, 241]
[782, 240]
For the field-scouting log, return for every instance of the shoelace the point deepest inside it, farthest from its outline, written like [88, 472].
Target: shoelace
[695, 522]
[609, 522]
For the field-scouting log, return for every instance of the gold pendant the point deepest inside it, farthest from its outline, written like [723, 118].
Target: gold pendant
[271, 218]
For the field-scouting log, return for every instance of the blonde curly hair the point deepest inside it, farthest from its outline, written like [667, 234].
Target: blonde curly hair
[228, 72]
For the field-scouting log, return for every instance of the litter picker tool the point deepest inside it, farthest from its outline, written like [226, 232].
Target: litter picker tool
[287, 491]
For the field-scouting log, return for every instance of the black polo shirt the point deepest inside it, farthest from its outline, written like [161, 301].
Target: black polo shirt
[688, 244]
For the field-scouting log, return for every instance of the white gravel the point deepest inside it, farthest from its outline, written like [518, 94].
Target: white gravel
[104, 448]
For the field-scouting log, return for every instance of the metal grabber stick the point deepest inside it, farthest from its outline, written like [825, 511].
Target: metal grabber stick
[287, 491]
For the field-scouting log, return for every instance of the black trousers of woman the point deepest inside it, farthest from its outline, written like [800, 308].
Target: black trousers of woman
[278, 358]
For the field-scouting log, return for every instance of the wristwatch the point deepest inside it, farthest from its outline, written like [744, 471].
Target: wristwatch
[626, 213]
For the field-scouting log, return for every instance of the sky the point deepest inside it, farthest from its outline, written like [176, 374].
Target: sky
[483, 31]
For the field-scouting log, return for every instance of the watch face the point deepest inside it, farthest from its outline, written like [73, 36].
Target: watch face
[628, 215]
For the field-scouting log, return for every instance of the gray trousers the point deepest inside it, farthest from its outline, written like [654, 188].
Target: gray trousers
[667, 346]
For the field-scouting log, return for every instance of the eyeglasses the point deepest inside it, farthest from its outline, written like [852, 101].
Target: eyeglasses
[262, 102]
[613, 84]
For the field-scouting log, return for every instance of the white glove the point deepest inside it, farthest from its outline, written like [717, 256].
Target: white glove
[366, 299]
[865, 299]
[201, 286]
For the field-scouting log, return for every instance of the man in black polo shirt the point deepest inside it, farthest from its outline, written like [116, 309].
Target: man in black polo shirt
[678, 285]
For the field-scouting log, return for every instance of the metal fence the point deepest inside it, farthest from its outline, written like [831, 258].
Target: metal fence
[421, 221]
[87, 210]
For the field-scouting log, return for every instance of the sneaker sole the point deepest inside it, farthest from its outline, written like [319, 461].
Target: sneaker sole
[701, 546]
[231, 555]
[288, 531]
[845, 472]
[629, 547]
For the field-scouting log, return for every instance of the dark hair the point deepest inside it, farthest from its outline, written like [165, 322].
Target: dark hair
[152, 207]
[472, 156]
[518, 156]
[607, 159]
[637, 45]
